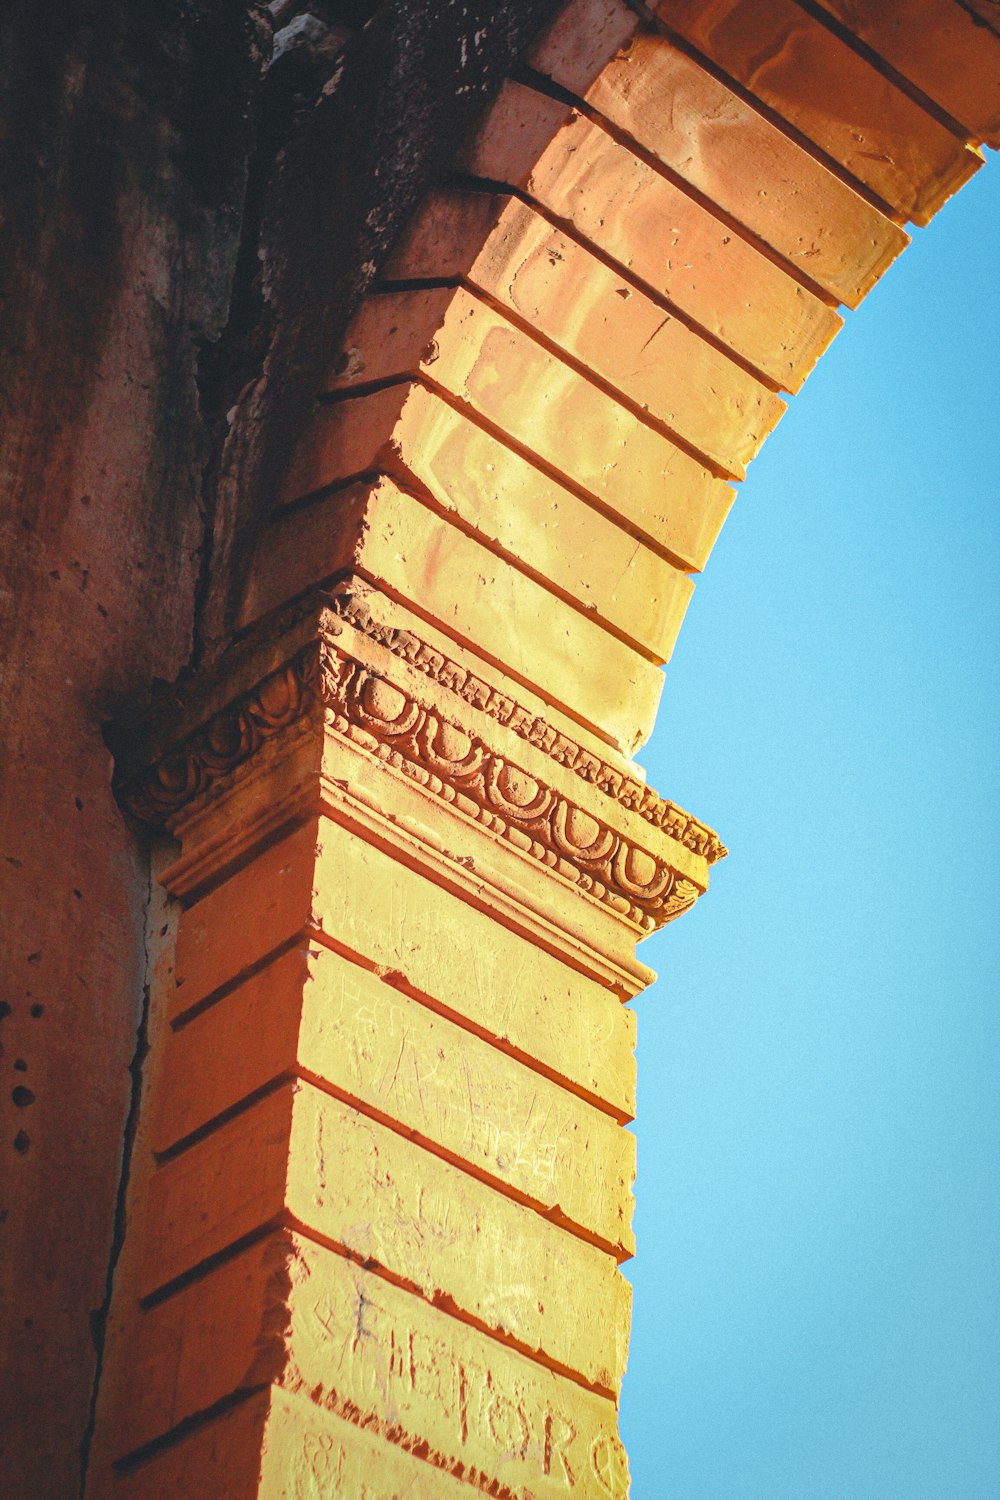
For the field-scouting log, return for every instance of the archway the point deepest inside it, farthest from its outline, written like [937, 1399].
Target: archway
[409, 792]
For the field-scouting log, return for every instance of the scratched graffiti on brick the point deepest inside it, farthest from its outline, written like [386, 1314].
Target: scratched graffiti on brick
[469, 1406]
[456, 1090]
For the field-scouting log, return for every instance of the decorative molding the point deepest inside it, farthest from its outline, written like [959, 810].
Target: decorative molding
[271, 705]
[454, 765]
[442, 756]
[279, 701]
[351, 604]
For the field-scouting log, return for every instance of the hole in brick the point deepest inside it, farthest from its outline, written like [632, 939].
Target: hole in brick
[37, 1010]
[20, 1066]
[22, 1142]
[22, 1096]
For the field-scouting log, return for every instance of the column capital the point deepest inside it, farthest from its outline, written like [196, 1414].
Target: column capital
[364, 681]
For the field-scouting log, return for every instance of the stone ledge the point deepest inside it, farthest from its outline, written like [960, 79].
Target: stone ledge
[439, 725]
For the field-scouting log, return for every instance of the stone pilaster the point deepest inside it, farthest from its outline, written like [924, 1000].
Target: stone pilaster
[382, 1186]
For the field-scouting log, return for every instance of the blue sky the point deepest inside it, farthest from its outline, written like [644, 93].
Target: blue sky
[817, 1311]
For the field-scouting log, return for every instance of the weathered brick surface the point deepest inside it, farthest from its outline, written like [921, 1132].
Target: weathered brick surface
[277, 1446]
[426, 938]
[302, 1155]
[555, 287]
[244, 920]
[662, 235]
[657, 487]
[299, 1315]
[682, 513]
[181, 1237]
[380, 1183]
[321, 1015]
[581, 38]
[248, 1039]
[115, 271]
[396, 541]
[734, 156]
[324, 1018]
[940, 49]
[836, 98]
[219, 1460]
[412, 434]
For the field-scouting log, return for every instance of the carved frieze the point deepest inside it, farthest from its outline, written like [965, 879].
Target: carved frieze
[459, 768]
[278, 702]
[355, 607]
[445, 757]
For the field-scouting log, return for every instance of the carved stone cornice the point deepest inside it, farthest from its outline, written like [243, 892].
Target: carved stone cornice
[281, 700]
[463, 771]
[353, 605]
[323, 683]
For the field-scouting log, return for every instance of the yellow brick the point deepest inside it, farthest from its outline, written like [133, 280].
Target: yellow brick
[425, 939]
[503, 985]
[301, 1154]
[473, 594]
[464, 346]
[325, 1017]
[292, 1313]
[662, 234]
[564, 294]
[411, 432]
[276, 1446]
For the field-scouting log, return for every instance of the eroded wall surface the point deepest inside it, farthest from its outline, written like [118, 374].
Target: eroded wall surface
[118, 166]
[141, 149]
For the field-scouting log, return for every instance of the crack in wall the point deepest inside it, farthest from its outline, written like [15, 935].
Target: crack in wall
[99, 1316]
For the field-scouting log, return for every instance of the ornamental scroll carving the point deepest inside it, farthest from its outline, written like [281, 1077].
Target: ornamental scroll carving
[445, 759]
[459, 768]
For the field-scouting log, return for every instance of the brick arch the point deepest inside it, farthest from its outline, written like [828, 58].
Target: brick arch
[409, 832]
[586, 334]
